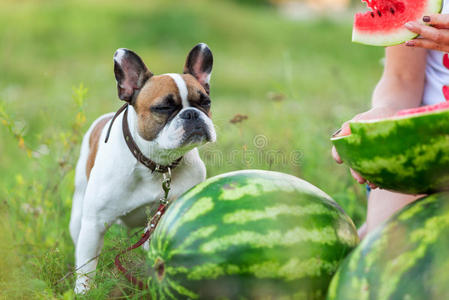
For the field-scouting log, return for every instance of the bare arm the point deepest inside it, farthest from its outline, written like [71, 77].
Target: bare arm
[401, 86]
[402, 83]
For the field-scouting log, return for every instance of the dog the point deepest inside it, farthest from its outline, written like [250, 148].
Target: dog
[124, 156]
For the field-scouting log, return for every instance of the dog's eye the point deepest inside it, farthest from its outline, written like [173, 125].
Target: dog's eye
[167, 106]
[205, 103]
[162, 109]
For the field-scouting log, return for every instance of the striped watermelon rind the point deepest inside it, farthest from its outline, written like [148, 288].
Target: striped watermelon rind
[249, 235]
[405, 258]
[408, 154]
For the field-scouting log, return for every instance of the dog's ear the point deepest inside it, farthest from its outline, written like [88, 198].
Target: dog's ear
[199, 64]
[130, 73]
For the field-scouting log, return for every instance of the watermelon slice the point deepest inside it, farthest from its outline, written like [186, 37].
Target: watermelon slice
[408, 152]
[383, 25]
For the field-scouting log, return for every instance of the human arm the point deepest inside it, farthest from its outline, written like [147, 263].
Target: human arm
[401, 86]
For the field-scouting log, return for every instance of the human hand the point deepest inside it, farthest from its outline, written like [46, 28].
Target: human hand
[374, 113]
[434, 37]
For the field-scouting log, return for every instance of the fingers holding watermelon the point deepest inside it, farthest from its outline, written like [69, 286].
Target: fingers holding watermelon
[335, 155]
[428, 44]
[357, 177]
[354, 174]
[338, 159]
[372, 114]
[435, 37]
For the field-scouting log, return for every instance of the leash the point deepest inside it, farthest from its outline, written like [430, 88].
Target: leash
[164, 202]
[153, 167]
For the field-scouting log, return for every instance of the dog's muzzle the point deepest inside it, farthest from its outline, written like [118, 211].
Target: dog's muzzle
[196, 129]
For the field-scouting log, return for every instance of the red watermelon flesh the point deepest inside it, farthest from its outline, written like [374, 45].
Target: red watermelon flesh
[383, 25]
[346, 130]
[424, 109]
[385, 15]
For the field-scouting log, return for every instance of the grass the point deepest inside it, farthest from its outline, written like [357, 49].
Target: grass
[296, 82]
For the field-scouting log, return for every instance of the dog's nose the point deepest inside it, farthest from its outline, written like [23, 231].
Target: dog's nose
[190, 114]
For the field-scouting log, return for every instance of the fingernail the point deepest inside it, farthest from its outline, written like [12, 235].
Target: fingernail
[410, 43]
[336, 132]
[426, 19]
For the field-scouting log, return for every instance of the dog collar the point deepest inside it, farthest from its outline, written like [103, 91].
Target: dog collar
[132, 146]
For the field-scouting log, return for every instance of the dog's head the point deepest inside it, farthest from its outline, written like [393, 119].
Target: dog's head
[173, 110]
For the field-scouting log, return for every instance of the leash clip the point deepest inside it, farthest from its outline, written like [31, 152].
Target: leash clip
[166, 186]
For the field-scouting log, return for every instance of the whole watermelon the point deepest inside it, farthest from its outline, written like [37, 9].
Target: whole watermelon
[406, 258]
[249, 235]
[408, 153]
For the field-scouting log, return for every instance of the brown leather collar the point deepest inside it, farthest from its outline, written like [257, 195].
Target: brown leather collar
[154, 167]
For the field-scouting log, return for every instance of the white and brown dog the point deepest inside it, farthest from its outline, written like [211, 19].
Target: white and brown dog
[165, 118]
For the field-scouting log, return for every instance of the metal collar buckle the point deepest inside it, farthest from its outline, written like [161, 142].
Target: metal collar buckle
[166, 182]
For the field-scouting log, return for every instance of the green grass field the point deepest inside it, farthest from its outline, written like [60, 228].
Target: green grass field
[296, 82]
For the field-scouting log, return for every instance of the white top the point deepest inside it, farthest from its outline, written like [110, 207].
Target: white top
[437, 73]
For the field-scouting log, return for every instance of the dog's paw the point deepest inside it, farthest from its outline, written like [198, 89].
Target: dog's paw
[82, 284]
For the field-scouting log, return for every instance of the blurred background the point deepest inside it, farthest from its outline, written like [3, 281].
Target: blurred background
[285, 77]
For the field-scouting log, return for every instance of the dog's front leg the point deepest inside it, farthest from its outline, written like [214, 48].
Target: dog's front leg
[90, 242]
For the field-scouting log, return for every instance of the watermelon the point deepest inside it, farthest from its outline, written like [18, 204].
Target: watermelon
[383, 25]
[405, 258]
[408, 153]
[423, 109]
[249, 235]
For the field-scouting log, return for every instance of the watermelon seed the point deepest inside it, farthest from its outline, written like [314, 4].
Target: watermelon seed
[379, 13]
[372, 14]
[392, 10]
